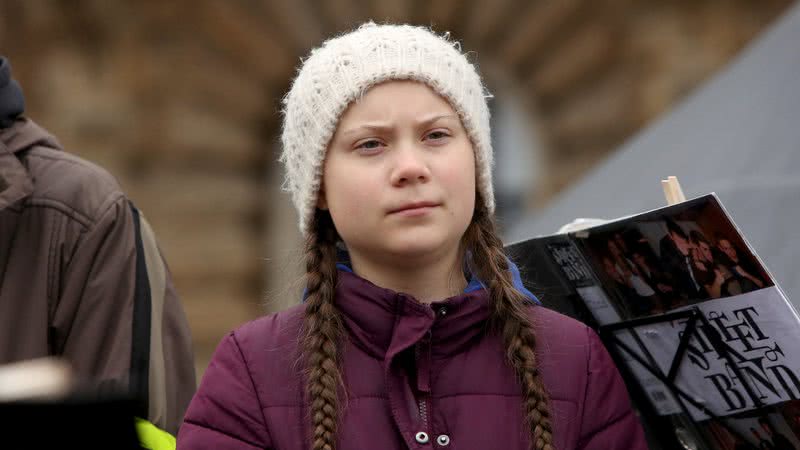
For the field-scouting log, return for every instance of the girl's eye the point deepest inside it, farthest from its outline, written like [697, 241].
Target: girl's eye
[437, 135]
[369, 146]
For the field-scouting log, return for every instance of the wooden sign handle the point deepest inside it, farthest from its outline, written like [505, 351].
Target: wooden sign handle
[672, 190]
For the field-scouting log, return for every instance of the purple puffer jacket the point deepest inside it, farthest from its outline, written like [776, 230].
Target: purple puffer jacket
[417, 377]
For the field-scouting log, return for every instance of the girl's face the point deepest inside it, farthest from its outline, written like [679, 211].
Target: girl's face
[399, 175]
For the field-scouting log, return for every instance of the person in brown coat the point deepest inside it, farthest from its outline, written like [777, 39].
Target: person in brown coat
[81, 276]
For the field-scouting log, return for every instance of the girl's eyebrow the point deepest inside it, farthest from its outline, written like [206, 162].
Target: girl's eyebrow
[384, 127]
[378, 127]
[432, 119]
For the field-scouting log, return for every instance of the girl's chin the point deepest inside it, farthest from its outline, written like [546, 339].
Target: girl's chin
[416, 244]
[419, 248]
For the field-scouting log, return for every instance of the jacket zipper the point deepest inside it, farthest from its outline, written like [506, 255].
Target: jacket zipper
[423, 411]
[423, 382]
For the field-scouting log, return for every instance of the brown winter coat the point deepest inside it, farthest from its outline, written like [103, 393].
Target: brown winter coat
[81, 277]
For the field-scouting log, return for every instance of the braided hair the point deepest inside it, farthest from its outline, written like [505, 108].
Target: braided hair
[509, 318]
[322, 332]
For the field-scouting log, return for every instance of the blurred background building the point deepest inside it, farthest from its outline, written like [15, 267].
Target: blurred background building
[181, 101]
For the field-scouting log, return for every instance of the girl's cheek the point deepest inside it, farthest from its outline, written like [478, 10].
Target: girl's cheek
[362, 196]
[460, 177]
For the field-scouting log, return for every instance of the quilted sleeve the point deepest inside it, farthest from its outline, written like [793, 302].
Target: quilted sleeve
[225, 412]
[608, 419]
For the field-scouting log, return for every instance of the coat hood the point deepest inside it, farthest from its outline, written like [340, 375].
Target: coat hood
[15, 181]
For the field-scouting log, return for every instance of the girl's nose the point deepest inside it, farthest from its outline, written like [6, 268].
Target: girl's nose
[410, 166]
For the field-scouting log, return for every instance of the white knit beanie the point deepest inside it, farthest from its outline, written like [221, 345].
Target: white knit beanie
[344, 68]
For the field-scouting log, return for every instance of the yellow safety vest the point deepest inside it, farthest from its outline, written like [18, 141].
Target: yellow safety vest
[153, 438]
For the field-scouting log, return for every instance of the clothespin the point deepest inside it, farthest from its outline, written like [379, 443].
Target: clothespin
[672, 190]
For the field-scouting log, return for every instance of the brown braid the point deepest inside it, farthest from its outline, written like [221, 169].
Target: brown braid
[510, 319]
[322, 329]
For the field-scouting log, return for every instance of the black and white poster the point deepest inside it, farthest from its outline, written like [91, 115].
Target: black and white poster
[738, 377]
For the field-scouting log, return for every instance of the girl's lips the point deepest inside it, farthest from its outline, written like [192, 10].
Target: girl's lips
[414, 212]
[414, 209]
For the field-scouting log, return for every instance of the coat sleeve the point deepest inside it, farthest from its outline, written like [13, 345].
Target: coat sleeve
[225, 412]
[608, 419]
[118, 319]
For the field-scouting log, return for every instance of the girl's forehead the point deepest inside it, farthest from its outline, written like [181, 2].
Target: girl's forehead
[395, 100]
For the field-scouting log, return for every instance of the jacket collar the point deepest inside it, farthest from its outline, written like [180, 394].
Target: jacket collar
[473, 285]
[383, 322]
[15, 181]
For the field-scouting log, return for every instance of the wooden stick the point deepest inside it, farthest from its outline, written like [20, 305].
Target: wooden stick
[676, 188]
[667, 192]
[672, 190]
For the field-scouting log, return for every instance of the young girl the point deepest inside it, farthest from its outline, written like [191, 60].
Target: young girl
[415, 331]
